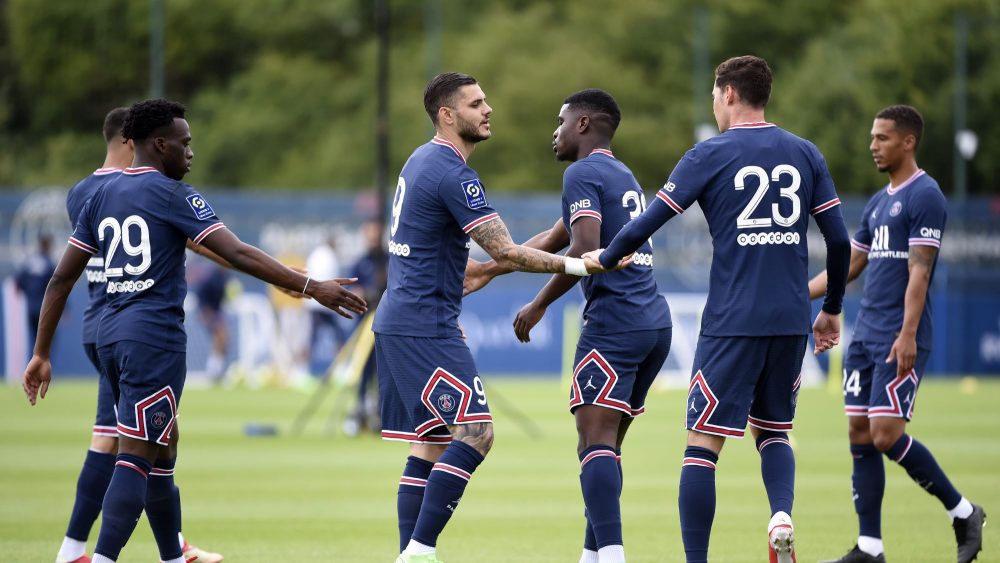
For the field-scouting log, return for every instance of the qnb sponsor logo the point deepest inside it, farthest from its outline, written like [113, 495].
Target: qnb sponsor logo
[399, 249]
[96, 276]
[642, 259]
[930, 233]
[752, 239]
[578, 205]
[129, 286]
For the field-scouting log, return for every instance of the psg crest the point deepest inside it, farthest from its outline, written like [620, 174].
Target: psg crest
[446, 402]
[159, 419]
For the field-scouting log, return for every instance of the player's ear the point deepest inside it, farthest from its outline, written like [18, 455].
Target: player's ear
[583, 123]
[160, 144]
[910, 142]
[445, 115]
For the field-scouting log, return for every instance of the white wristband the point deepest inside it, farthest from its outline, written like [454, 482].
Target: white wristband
[306, 286]
[576, 267]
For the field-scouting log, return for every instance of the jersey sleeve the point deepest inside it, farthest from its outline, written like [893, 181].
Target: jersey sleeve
[190, 212]
[581, 192]
[463, 194]
[928, 214]
[686, 182]
[83, 236]
[862, 239]
[824, 196]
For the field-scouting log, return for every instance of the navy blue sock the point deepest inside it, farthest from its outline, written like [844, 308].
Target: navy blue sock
[589, 539]
[445, 487]
[696, 500]
[163, 509]
[601, 484]
[777, 468]
[918, 461]
[123, 504]
[410, 496]
[868, 479]
[90, 488]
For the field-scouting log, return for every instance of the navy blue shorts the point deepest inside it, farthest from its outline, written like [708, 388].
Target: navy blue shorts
[425, 385]
[147, 383]
[871, 387]
[741, 379]
[616, 370]
[106, 421]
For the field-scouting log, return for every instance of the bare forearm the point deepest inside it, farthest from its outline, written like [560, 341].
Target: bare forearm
[53, 304]
[254, 261]
[859, 261]
[204, 251]
[550, 240]
[495, 240]
[914, 300]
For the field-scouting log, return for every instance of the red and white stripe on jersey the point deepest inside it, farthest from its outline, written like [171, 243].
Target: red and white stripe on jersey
[141, 170]
[598, 453]
[111, 431]
[82, 245]
[442, 375]
[755, 125]
[446, 143]
[605, 152]
[703, 424]
[909, 442]
[132, 466]
[895, 407]
[772, 441]
[699, 462]
[585, 213]
[925, 242]
[893, 190]
[824, 206]
[673, 204]
[412, 481]
[160, 472]
[451, 469]
[208, 230]
[139, 431]
[769, 424]
[602, 398]
[851, 410]
[480, 221]
[105, 171]
[861, 247]
[414, 438]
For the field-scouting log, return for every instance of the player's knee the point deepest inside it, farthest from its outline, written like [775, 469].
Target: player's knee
[104, 444]
[885, 438]
[478, 435]
[858, 430]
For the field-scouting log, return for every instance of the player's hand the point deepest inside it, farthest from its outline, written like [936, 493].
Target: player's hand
[332, 295]
[526, 319]
[476, 277]
[826, 332]
[289, 292]
[904, 353]
[37, 376]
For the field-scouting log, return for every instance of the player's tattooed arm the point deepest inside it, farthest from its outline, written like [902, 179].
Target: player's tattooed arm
[479, 435]
[904, 349]
[478, 274]
[494, 238]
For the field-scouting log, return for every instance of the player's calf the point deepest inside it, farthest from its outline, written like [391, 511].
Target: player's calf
[777, 469]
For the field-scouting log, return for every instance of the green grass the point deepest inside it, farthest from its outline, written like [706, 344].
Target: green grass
[318, 497]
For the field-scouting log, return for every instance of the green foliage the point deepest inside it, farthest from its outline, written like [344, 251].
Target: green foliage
[281, 92]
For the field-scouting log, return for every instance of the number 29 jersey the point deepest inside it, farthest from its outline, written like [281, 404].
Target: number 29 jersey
[140, 222]
[757, 184]
[438, 201]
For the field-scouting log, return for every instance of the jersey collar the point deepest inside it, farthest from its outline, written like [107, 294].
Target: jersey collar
[446, 143]
[104, 171]
[908, 181]
[602, 151]
[756, 125]
[141, 170]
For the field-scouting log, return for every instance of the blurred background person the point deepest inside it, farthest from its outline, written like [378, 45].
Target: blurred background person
[210, 287]
[31, 279]
[326, 336]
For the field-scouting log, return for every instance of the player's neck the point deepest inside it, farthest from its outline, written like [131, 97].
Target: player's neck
[141, 161]
[587, 147]
[745, 114]
[463, 146]
[907, 169]
[117, 159]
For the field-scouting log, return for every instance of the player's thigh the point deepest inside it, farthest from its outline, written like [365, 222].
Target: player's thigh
[724, 375]
[893, 396]
[150, 383]
[106, 419]
[777, 389]
[650, 365]
[606, 368]
[857, 382]
[434, 384]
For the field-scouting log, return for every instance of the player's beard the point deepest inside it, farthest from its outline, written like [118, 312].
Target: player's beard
[469, 131]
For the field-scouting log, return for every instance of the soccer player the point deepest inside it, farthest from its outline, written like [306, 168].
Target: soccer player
[898, 241]
[626, 323]
[757, 185]
[431, 395]
[140, 223]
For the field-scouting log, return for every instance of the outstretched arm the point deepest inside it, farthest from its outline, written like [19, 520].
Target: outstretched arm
[636, 231]
[478, 274]
[494, 238]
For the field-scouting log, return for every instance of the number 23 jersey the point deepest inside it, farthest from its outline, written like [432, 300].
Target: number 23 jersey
[141, 222]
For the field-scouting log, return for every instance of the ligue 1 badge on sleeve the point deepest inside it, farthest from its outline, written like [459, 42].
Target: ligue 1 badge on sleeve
[475, 195]
[202, 210]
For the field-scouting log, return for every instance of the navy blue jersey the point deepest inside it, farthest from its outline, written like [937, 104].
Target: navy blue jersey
[438, 201]
[912, 214]
[78, 196]
[602, 187]
[140, 222]
[757, 184]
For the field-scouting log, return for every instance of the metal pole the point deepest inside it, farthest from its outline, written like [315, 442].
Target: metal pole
[433, 15]
[961, 102]
[157, 72]
[701, 73]
[382, 103]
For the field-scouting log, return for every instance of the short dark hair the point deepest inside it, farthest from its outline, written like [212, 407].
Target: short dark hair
[113, 123]
[907, 119]
[149, 115]
[750, 76]
[441, 90]
[599, 101]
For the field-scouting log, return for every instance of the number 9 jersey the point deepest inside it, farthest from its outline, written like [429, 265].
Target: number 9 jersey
[141, 222]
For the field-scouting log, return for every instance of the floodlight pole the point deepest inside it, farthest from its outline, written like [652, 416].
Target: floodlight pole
[382, 104]
[157, 73]
[433, 14]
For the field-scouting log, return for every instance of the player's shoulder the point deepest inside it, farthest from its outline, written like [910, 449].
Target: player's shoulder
[926, 191]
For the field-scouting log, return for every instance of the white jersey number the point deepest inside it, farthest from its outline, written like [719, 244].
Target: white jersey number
[744, 221]
[397, 205]
[636, 199]
[121, 233]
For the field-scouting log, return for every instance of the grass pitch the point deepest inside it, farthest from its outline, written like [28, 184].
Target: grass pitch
[322, 497]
